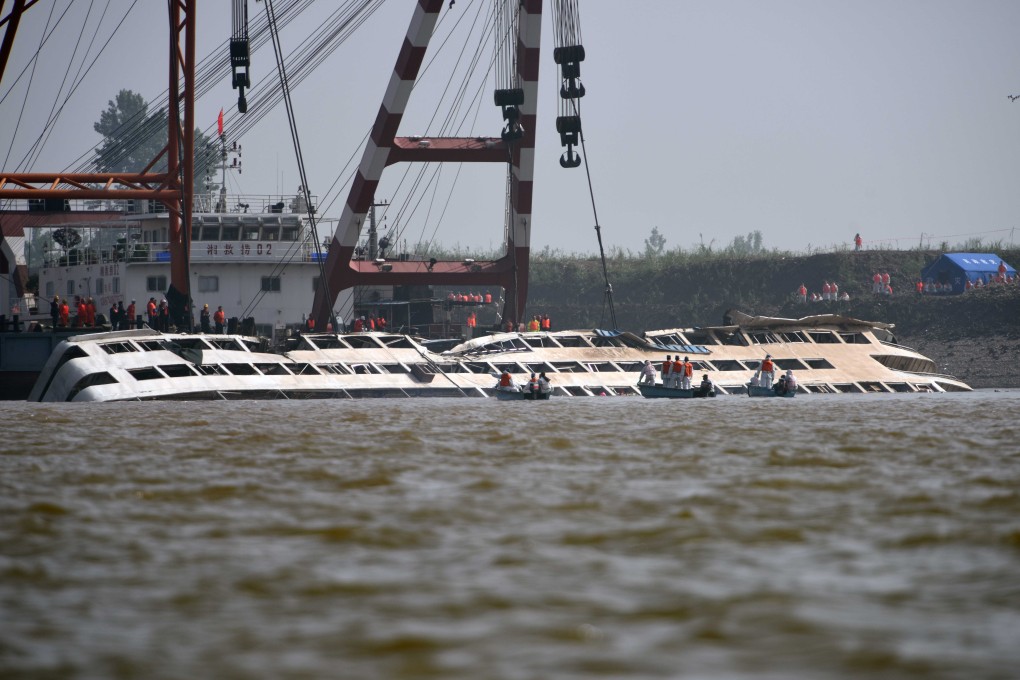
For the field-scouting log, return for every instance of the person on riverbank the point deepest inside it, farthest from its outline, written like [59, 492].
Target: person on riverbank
[802, 293]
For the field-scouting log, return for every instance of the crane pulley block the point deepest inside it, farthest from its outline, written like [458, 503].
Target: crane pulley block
[509, 97]
[568, 54]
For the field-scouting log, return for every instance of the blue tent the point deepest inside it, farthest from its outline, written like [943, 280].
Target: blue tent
[957, 268]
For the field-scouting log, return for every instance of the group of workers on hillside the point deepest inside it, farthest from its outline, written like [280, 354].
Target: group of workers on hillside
[830, 293]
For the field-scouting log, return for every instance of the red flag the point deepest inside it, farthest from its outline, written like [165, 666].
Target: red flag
[219, 123]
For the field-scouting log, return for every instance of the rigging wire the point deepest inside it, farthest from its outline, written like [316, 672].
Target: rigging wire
[285, 88]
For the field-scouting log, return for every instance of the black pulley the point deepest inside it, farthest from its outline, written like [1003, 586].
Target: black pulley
[568, 53]
[510, 97]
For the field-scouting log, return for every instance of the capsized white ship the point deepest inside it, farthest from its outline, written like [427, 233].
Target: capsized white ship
[827, 353]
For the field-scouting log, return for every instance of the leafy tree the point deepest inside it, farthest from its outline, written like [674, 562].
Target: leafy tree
[655, 244]
[132, 137]
[746, 245]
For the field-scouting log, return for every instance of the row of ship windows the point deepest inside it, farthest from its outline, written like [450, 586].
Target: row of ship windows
[186, 370]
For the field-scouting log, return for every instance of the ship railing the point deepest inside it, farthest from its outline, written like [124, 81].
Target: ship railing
[201, 251]
[893, 344]
[202, 203]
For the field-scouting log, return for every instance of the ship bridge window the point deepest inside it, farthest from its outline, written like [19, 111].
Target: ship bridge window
[338, 369]
[250, 233]
[241, 369]
[272, 369]
[119, 347]
[573, 341]
[818, 363]
[729, 365]
[393, 368]
[177, 370]
[289, 234]
[540, 367]
[231, 232]
[855, 338]
[210, 232]
[271, 232]
[92, 379]
[733, 338]
[793, 336]
[363, 341]
[823, 337]
[145, 373]
[898, 362]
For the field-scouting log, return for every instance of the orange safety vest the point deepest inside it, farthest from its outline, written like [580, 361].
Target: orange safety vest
[546, 324]
[678, 367]
[504, 380]
[666, 365]
[688, 369]
[766, 366]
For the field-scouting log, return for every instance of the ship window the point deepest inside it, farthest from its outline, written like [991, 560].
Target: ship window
[701, 366]
[573, 341]
[793, 336]
[873, 387]
[545, 341]
[208, 284]
[153, 345]
[540, 367]
[250, 233]
[240, 369]
[210, 232]
[155, 283]
[195, 232]
[510, 368]
[735, 338]
[177, 370]
[116, 285]
[271, 233]
[118, 347]
[608, 342]
[393, 368]
[146, 373]
[101, 378]
[363, 369]
[225, 344]
[397, 342]
[329, 342]
[789, 364]
[288, 234]
[818, 363]
[70, 287]
[600, 367]
[304, 369]
[846, 388]
[855, 338]
[231, 232]
[569, 367]
[99, 287]
[361, 341]
[49, 289]
[210, 369]
[630, 366]
[701, 337]
[271, 284]
[272, 369]
[729, 365]
[478, 367]
[338, 369]
[762, 338]
[899, 387]
[823, 337]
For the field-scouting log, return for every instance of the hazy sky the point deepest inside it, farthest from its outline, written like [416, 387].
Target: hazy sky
[806, 120]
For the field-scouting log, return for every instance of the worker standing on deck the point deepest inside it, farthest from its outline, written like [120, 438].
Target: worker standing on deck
[677, 374]
[65, 313]
[131, 315]
[546, 323]
[55, 310]
[545, 386]
[90, 311]
[767, 371]
[688, 373]
[647, 374]
[220, 319]
[205, 319]
[82, 311]
[667, 368]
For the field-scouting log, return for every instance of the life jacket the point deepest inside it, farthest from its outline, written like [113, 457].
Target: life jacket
[546, 324]
[877, 278]
[358, 326]
[666, 365]
[678, 367]
[504, 380]
[533, 325]
[766, 366]
[488, 298]
[688, 369]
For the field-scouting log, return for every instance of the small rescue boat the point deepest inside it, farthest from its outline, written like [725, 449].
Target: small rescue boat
[759, 391]
[661, 392]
